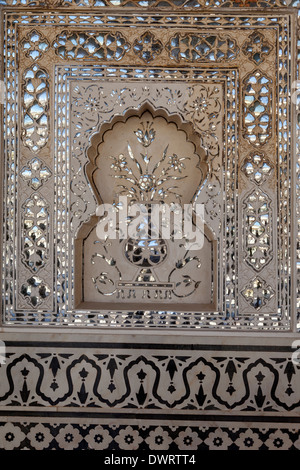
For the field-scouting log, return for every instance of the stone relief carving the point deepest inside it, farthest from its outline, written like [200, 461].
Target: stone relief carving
[122, 379]
[86, 379]
[251, 54]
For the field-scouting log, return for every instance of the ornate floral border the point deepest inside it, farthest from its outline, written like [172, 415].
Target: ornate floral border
[77, 436]
[153, 4]
[40, 285]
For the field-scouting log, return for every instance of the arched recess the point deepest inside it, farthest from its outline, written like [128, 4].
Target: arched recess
[151, 158]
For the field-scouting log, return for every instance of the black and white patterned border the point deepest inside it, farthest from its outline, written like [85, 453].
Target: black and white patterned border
[71, 436]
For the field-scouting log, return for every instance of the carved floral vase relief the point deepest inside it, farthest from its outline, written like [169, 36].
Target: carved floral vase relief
[154, 160]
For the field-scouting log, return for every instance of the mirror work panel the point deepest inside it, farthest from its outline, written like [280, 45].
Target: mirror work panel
[174, 102]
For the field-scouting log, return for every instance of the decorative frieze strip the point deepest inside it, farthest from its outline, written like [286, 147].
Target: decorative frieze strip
[44, 435]
[143, 380]
[144, 4]
[80, 45]
[112, 46]
[200, 47]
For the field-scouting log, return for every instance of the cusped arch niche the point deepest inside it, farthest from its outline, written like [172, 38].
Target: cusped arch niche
[148, 157]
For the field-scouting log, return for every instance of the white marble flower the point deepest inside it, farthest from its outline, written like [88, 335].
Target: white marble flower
[98, 438]
[248, 440]
[128, 439]
[39, 437]
[11, 436]
[68, 437]
[218, 440]
[188, 440]
[278, 440]
[159, 439]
